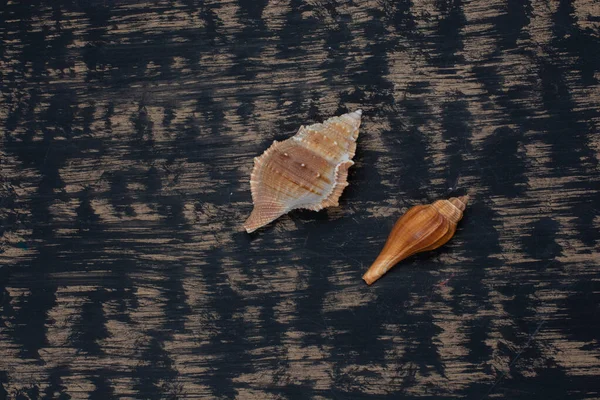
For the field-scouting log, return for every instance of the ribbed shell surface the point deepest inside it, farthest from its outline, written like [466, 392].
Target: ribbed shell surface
[308, 170]
[421, 228]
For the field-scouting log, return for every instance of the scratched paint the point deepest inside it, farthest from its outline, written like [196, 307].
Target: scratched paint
[128, 133]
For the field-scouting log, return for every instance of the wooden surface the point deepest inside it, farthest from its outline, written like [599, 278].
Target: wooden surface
[128, 130]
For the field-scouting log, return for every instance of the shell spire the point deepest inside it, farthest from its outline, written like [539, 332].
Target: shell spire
[308, 170]
[421, 228]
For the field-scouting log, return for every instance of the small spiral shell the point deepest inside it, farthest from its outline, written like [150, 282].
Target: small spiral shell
[422, 228]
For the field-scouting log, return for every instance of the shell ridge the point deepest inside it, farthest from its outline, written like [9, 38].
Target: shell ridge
[258, 162]
[331, 199]
[437, 230]
[290, 173]
[450, 211]
[351, 120]
[302, 132]
[262, 214]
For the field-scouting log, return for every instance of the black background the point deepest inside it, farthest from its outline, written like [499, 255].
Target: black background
[128, 133]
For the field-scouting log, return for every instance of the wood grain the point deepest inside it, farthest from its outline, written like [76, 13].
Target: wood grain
[128, 133]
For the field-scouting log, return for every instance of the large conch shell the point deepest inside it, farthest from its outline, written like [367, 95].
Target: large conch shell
[422, 228]
[308, 170]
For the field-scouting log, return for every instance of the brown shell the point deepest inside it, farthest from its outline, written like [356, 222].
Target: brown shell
[422, 228]
[308, 170]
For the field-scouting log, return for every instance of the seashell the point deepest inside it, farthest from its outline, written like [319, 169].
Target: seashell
[308, 170]
[421, 228]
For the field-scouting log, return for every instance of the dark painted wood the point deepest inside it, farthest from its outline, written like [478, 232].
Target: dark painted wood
[128, 130]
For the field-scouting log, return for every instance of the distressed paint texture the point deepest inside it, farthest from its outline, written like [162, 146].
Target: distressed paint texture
[128, 130]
